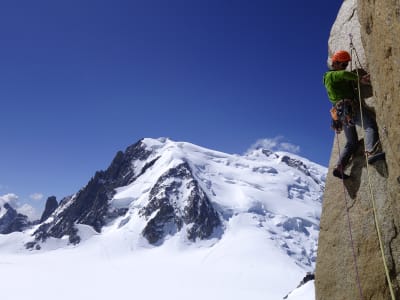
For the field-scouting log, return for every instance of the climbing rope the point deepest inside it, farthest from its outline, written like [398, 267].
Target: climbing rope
[353, 49]
[350, 229]
[385, 132]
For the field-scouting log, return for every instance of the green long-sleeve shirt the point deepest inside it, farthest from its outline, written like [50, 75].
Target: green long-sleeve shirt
[339, 85]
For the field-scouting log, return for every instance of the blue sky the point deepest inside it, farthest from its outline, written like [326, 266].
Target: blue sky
[80, 80]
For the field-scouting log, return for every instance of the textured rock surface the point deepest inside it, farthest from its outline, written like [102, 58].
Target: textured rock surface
[12, 221]
[379, 26]
[51, 206]
[196, 211]
[346, 23]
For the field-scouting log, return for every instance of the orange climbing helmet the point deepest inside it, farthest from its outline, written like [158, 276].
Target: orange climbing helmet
[341, 56]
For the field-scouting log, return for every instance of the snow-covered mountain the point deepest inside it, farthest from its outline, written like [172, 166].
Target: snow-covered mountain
[251, 217]
[10, 219]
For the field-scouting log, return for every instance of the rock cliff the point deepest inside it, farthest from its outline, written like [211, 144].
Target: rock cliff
[375, 26]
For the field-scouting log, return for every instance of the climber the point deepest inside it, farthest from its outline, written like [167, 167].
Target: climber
[340, 85]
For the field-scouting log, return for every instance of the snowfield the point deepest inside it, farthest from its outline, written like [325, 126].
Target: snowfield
[269, 203]
[243, 265]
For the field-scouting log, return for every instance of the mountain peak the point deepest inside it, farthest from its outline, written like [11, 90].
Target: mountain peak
[160, 189]
[11, 220]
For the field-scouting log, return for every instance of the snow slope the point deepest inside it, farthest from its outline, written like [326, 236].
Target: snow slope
[269, 204]
[305, 292]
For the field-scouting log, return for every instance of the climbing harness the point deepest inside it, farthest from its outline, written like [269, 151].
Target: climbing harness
[345, 111]
[342, 113]
[353, 50]
[350, 229]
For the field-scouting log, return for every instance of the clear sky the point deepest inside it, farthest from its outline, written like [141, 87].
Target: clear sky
[80, 80]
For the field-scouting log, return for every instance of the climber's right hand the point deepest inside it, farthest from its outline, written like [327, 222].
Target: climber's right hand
[366, 79]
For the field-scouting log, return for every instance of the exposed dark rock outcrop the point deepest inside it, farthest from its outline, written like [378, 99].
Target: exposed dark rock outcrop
[299, 165]
[12, 221]
[299, 225]
[309, 276]
[51, 206]
[173, 209]
[377, 25]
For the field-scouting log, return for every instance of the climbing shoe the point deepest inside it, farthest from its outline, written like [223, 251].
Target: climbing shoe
[339, 172]
[375, 154]
[372, 158]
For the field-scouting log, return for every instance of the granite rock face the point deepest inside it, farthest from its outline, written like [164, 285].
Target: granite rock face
[346, 24]
[378, 25]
